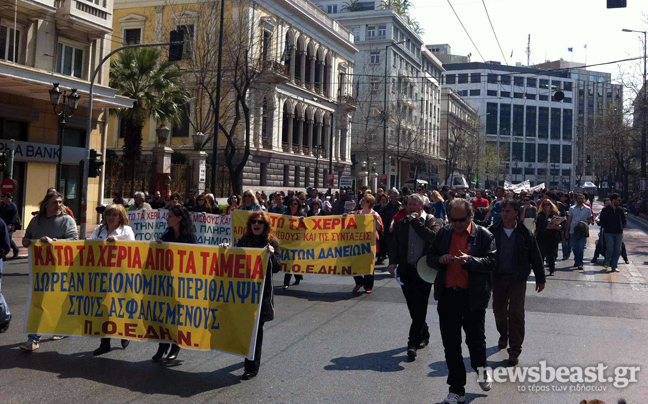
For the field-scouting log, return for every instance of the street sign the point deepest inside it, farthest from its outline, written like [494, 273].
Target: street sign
[346, 182]
[8, 186]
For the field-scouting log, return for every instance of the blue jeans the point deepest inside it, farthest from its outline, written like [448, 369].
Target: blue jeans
[566, 248]
[578, 245]
[5, 314]
[613, 242]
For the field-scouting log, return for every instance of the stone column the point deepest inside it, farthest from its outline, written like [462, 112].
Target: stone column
[198, 163]
[310, 137]
[163, 169]
[373, 180]
[293, 57]
[300, 135]
[325, 139]
[291, 128]
[302, 55]
[318, 133]
[311, 84]
[321, 77]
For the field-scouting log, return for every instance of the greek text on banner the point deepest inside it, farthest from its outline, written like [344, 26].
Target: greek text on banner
[198, 297]
[321, 245]
[150, 225]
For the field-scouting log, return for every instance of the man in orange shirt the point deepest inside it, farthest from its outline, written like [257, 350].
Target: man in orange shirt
[464, 255]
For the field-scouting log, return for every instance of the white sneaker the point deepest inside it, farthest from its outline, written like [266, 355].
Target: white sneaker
[486, 384]
[454, 398]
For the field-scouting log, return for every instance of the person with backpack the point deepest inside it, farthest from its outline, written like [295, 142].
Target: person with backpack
[580, 217]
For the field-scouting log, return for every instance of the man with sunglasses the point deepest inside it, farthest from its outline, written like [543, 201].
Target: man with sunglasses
[410, 241]
[517, 254]
[464, 255]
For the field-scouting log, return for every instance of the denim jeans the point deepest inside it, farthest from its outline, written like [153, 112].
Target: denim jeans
[613, 242]
[578, 245]
[566, 248]
[5, 314]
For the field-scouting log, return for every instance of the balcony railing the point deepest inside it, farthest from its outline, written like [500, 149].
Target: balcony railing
[86, 12]
[324, 18]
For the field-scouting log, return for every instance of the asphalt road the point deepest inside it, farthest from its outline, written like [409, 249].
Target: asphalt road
[329, 346]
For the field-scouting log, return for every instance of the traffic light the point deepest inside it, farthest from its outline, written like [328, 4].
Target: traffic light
[589, 159]
[3, 162]
[177, 45]
[94, 167]
[616, 3]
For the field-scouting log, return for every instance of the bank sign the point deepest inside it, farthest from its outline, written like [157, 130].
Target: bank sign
[43, 153]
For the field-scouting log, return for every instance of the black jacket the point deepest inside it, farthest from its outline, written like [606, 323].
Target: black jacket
[528, 253]
[274, 266]
[482, 251]
[400, 239]
[612, 220]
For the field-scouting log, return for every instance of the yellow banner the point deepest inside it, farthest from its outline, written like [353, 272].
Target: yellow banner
[199, 297]
[321, 245]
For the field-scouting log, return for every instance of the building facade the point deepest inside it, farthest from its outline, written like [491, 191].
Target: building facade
[461, 139]
[532, 131]
[300, 104]
[43, 42]
[398, 83]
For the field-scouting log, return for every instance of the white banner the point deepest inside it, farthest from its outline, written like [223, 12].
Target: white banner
[150, 225]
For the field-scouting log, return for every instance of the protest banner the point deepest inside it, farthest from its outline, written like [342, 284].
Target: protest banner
[150, 225]
[321, 245]
[198, 297]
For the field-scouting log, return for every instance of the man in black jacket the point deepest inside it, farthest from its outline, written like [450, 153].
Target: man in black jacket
[464, 255]
[613, 221]
[9, 214]
[517, 254]
[410, 241]
[5, 247]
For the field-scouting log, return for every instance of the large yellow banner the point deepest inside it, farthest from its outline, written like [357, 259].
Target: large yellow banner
[199, 297]
[320, 245]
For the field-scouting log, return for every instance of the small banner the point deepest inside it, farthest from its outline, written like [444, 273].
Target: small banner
[320, 245]
[150, 225]
[196, 296]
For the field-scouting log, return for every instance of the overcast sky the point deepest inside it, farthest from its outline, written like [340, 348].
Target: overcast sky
[554, 25]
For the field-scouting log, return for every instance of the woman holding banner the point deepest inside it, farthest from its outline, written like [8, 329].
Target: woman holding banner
[259, 234]
[367, 203]
[232, 203]
[202, 205]
[179, 230]
[295, 208]
[114, 227]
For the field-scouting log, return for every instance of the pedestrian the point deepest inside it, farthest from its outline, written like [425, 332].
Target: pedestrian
[339, 205]
[411, 240]
[50, 224]
[180, 229]
[580, 216]
[158, 202]
[549, 233]
[5, 247]
[202, 205]
[117, 198]
[563, 207]
[381, 205]
[326, 204]
[190, 201]
[250, 202]
[296, 209]
[517, 254]
[316, 208]
[439, 207]
[613, 221]
[9, 214]
[528, 213]
[213, 204]
[232, 203]
[138, 202]
[259, 234]
[367, 202]
[479, 201]
[279, 207]
[114, 226]
[174, 200]
[495, 211]
[464, 255]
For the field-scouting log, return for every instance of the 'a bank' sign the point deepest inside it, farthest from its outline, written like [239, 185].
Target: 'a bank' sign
[43, 153]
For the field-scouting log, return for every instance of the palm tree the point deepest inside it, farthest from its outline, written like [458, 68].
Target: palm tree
[401, 7]
[155, 88]
[352, 5]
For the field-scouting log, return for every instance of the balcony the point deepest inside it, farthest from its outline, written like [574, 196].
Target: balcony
[349, 102]
[319, 14]
[375, 38]
[274, 72]
[39, 5]
[85, 15]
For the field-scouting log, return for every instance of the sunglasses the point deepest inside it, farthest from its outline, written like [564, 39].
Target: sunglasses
[257, 222]
[247, 196]
[461, 220]
[201, 200]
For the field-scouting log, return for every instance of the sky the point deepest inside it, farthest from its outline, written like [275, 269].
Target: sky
[554, 25]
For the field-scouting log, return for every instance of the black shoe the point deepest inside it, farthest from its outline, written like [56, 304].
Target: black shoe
[249, 375]
[580, 268]
[103, 348]
[423, 343]
[162, 349]
[5, 326]
[551, 273]
[594, 261]
[411, 353]
[296, 282]
[15, 253]
[502, 343]
[627, 262]
[173, 353]
[124, 343]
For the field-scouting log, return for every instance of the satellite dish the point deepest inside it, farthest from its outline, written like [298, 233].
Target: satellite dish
[558, 95]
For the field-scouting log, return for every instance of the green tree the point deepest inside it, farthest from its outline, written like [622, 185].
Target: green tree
[352, 5]
[154, 86]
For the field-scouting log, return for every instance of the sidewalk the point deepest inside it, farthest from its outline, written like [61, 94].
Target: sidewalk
[22, 251]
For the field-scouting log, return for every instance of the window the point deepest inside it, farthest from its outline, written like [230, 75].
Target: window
[133, 36]
[518, 81]
[517, 151]
[331, 9]
[475, 77]
[543, 122]
[463, 78]
[530, 171]
[556, 85]
[567, 100]
[529, 153]
[531, 82]
[530, 96]
[492, 78]
[555, 123]
[188, 30]
[506, 79]
[530, 121]
[491, 93]
[371, 31]
[266, 45]
[505, 120]
[566, 173]
[505, 94]
[518, 120]
[543, 154]
[7, 41]
[518, 95]
[374, 58]
[367, 5]
[554, 156]
[451, 79]
[375, 84]
[463, 93]
[543, 98]
[475, 93]
[69, 60]
[16, 130]
[491, 118]
[544, 84]
[566, 157]
[542, 171]
[382, 31]
[567, 86]
[182, 130]
[567, 124]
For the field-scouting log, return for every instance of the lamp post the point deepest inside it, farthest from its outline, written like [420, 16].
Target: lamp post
[68, 102]
[643, 111]
[198, 138]
[317, 149]
[162, 133]
[384, 162]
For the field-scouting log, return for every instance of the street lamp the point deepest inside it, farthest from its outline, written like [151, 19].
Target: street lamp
[198, 138]
[317, 149]
[162, 133]
[643, 113]
[68, 102]
[384, 162]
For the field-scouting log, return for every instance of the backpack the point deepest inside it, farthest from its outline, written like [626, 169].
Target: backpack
[581, 230]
